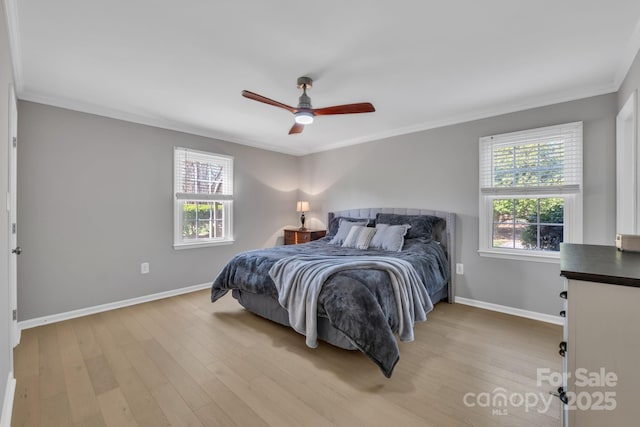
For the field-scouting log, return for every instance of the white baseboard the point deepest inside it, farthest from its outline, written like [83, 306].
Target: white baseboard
[39, 321]
[7, 404]
[548, 318]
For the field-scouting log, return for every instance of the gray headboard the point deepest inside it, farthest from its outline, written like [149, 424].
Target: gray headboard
[447, 239]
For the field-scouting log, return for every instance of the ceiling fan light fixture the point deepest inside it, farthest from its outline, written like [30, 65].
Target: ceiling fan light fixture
[304, 113]
[304, 117]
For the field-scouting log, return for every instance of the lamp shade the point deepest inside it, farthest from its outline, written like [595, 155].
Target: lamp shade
[303, 206]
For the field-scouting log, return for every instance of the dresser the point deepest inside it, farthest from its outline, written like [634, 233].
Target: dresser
[297, 236]
[601, 336]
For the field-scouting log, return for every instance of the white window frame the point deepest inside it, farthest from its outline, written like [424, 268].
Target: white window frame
[571, 193]
[179, 197]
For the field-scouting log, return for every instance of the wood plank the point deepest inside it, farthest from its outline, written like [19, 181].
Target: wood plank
[115, 409]
[185, 361]
[26, 402]
[82, 400]
[231, 404]
[214, 415]
[174, 407]
[54, 411]
[146, 368]
[101, 375]
[143, 406]
[86, 340]
[51, 371]
[188, 388]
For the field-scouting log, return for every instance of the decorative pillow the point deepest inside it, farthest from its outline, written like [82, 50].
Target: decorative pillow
[422, 226]
[364, 238]
[343, 230]
[390, 237]
[359, 237]
[335, 223]
[376, 242]
[352, 237]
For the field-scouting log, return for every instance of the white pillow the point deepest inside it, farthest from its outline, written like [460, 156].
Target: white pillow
[390, 237]
[343, 230]
[364, 238]
[352, 237]
[376, 242]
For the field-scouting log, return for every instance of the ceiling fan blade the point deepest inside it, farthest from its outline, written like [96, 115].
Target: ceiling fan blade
[364, 107]
[296, 128]
[266, 100]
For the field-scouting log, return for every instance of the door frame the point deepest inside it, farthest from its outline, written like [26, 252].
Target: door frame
[14, 330]
[627, 176]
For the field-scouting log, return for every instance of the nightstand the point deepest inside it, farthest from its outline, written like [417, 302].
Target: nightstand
[295, 236]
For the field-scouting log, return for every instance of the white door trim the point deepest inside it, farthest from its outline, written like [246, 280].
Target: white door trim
[14, 330]
[627, 220]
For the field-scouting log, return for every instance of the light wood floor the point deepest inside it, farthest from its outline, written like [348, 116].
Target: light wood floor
[186, 362]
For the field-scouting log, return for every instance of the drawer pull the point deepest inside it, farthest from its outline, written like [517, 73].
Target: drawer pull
[562, 395]
[563, 295]
[563, 313]
[563, 348]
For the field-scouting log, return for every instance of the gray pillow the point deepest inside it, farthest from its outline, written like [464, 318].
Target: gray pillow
[389, 237]
[335, 223]
[422, 226]
[343, 230]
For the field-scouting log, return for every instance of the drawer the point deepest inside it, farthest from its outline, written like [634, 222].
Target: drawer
[304, 237]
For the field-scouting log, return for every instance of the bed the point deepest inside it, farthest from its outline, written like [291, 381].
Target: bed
[357, 308]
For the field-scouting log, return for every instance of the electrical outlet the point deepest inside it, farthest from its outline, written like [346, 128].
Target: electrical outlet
[144, 268]
[460, 269]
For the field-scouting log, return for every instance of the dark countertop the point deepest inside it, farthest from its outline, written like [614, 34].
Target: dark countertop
[603, 264]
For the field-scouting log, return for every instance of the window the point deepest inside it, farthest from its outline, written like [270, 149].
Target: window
[203, 198]
[531, 192]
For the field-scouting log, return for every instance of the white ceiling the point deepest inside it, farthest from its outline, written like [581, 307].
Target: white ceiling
[422, 63]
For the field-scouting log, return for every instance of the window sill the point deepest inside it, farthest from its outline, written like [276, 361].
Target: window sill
[181, 246]
[549, 257]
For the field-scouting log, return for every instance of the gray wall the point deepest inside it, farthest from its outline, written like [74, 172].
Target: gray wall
[630, 83]
[438, 169]
[6, 78]
[95, 200]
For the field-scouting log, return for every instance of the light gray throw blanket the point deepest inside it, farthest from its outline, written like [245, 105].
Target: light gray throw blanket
[299, 280]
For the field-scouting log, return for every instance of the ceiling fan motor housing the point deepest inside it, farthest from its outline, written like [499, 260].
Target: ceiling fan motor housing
[304, 102]
[305, 82]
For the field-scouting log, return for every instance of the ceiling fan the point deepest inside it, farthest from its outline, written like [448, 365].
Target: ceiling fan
[304, 113]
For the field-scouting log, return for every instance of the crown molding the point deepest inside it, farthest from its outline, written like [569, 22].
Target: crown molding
[74, 105]
[629, 55]
[478, 114]
[162, 123]
[13, 28]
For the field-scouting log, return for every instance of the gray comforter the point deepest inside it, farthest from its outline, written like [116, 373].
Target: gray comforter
[360, 303]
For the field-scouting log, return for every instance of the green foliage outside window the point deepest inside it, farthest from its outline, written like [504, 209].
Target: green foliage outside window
[519, 222]
[202, 220]
[550, 235]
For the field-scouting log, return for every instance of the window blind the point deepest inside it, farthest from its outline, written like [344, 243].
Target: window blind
[539, 161]
[202, 176]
